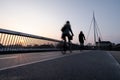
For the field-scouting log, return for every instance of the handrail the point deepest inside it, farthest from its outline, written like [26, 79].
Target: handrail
[13, 41]
[25, 34]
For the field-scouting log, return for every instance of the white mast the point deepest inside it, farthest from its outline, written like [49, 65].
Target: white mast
[94, 28]
[96, 31]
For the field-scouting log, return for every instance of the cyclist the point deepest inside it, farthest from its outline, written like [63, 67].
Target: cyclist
[67, 34]
[81, 40]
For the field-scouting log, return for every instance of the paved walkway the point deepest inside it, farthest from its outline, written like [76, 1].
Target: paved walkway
[91, 65]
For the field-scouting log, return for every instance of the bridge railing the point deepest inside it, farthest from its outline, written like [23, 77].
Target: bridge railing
[12, 41]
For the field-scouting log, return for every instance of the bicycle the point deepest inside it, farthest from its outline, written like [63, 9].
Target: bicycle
[66, 46]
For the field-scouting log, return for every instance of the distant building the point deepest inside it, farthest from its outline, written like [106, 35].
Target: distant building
[117, 47]
[104, 45]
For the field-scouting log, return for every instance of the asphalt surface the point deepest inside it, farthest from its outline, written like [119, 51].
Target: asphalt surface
[21, 59]
[90, 65]
[116, 55]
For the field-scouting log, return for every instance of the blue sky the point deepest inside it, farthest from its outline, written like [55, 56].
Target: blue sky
[46, 17]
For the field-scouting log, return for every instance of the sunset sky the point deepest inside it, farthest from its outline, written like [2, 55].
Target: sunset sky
[46, 17]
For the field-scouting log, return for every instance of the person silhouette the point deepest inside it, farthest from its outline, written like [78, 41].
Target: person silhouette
[81, 40]
[67, 34]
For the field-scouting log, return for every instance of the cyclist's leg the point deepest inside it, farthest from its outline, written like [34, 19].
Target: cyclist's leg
[70, 45]
[81, 46]
[61, 46]
[64, 45]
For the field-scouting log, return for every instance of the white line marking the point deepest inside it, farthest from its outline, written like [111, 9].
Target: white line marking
[9, 57]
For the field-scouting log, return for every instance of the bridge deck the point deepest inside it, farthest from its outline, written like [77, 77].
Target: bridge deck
[85, 65]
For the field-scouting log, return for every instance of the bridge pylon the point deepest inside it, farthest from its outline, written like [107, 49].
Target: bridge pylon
[96, 31]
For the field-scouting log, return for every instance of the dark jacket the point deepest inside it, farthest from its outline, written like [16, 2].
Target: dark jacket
[81, 37]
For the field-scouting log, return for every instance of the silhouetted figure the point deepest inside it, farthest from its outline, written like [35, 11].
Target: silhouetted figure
[81, 40]
[67, 33]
